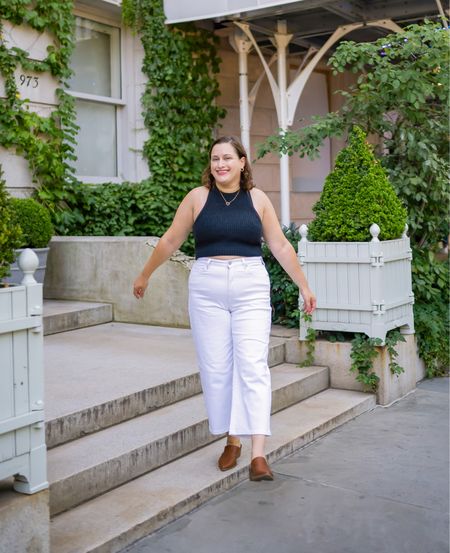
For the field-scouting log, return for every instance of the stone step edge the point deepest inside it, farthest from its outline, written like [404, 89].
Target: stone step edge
[69, 528]
[73, 426]
[83, 317]
[73, 489]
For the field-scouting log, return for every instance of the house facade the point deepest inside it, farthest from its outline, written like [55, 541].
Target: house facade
[273, 76]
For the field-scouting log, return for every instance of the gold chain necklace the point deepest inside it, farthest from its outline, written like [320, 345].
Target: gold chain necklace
[227, 203]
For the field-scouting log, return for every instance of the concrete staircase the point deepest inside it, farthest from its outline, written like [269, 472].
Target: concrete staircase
[129, 447]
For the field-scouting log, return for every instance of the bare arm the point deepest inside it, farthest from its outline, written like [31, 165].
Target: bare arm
[168, 243]
[285, 254]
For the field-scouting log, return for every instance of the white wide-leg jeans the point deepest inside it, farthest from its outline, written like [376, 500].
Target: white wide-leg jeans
[230, 314]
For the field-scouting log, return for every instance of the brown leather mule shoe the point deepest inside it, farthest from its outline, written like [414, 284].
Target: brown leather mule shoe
[260, 470]
[229, 457]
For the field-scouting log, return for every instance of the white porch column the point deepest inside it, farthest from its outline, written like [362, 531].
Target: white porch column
[242, 45]
[286, 98]
[282, 40]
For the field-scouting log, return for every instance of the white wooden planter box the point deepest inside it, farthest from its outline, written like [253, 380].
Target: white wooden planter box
[22, 431]
[360, 286]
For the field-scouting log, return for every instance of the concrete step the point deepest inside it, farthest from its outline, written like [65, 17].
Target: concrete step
[110, 522]
[63, 315]
[103, 375]
[92, 465]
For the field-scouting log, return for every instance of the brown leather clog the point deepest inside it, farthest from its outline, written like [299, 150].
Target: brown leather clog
[229, 457]
[260, 470]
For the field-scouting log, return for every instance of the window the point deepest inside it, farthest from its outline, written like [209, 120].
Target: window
[96, 85]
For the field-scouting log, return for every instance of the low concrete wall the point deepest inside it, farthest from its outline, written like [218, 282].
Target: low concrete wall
[103, 269]
[24, 520]
[336, 356]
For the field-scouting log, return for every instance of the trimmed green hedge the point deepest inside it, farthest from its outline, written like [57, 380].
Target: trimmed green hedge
[356, 194]
[111, 209]
[34, 220]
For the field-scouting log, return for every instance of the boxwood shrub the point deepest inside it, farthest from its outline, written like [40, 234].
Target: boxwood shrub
[356, 194]
[34, 220]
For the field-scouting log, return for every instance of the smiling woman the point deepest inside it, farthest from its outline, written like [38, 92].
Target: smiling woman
[229, 297]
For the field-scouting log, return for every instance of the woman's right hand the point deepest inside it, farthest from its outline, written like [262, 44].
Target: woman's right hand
[139, 286]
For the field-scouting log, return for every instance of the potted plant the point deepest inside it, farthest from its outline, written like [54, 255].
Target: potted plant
[358, 261]
[362, 284]
[37, 230]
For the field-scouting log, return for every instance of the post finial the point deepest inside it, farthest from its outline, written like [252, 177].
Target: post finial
[304, 233]
[375, 232]
[28, 263]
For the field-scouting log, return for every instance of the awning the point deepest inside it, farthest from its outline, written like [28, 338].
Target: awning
[180, 10]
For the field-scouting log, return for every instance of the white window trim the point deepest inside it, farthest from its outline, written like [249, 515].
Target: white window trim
[119, 102]
[96, 98]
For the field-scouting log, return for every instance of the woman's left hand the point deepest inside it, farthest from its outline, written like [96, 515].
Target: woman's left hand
[309, 301]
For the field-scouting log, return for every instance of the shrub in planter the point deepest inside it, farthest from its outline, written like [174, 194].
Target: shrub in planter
[356, 194]
[37, 230]
[362, 284]
[10, 232]
[34, 220]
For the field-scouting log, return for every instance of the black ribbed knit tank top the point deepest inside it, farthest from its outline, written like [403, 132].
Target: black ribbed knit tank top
[233, 229]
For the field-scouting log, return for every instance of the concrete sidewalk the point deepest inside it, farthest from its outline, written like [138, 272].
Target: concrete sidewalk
[379, 484]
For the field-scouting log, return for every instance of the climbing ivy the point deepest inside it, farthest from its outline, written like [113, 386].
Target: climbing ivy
[310, 340]
[363, 354]
[180, 63]
[392, 339]
[364, 351]
[46, 142]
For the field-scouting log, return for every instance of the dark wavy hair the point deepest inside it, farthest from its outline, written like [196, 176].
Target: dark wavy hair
[246, 182]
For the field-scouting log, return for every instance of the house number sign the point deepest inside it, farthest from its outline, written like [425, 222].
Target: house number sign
[29, 81]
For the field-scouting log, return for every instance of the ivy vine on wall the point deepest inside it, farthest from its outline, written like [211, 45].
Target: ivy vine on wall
[46, 142]
[179, 109]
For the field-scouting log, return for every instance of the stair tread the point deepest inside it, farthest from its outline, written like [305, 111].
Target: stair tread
[91, 366]
[123, 515]
[123, 438]
[60, 307]
[61, 316]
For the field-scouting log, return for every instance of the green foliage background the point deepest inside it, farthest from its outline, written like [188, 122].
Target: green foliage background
[10, 233]
[402, 97]
[180, 113]
[284, 293]
[179, 110]
[46, 142]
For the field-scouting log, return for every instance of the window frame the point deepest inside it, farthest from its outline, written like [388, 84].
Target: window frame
[119, 102]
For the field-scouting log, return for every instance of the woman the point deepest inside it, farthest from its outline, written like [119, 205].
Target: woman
[229, 296]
